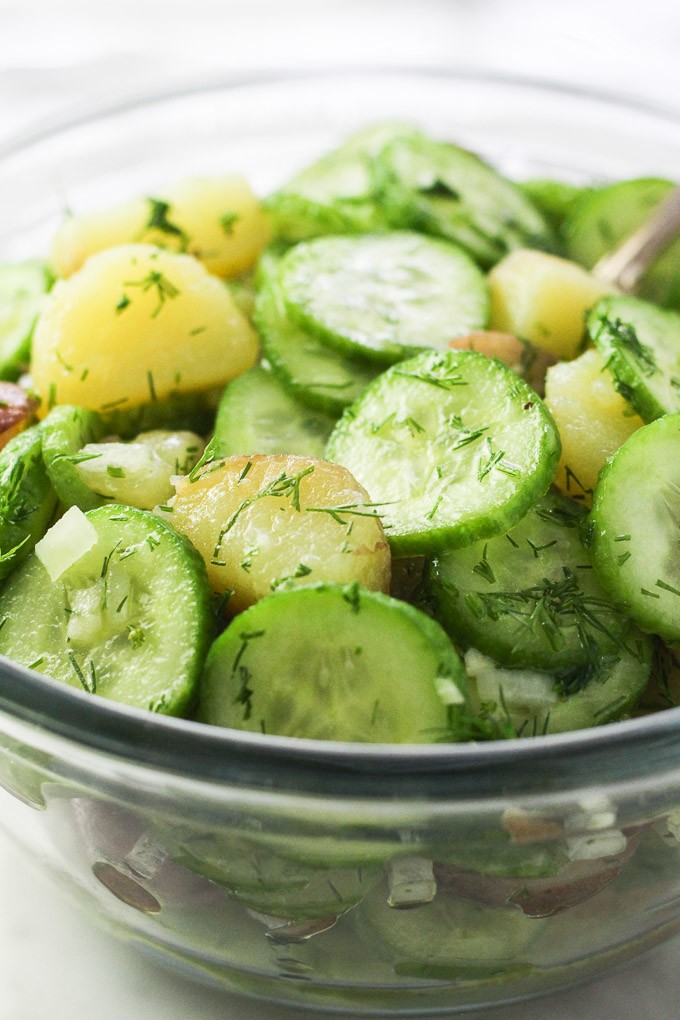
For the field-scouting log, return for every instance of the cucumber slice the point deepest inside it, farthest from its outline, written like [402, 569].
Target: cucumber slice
[600, 220]
[555, 199]
[313, 373]
[633, 527]
[139, 473]
[383, 296]
[362, 666]
[27, 499]
[529, 598]
[193, 412]
[450, 939]
[130, 619]
[271, 884]
[65, 431]
[257, 415]
[534, 703]
[337, 194]
[445, 190]
[22, 288]
[641, 346]
[451, 446]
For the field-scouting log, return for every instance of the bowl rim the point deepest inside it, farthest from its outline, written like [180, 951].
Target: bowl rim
[615, 751]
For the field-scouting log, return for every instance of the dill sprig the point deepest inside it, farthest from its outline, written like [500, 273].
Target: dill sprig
[549, 607]
[283, 487]
[159, 220]
[625, 338]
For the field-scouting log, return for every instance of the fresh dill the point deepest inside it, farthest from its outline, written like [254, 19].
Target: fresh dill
[159, 219]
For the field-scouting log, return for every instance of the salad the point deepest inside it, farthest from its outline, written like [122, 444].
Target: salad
[362, 461]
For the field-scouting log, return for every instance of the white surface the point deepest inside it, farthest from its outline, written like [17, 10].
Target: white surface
[55, 57]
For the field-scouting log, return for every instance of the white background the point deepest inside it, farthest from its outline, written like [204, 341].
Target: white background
[57, 57]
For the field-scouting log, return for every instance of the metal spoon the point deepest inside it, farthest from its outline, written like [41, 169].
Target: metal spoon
[626, 265]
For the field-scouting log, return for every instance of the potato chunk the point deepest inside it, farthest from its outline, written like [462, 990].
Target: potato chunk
[519, 355]
[266, 522]
[134, 325]
[592, 418]
[218, 220]
[543, 299]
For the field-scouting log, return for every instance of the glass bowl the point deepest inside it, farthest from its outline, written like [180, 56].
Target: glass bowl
[284, 869]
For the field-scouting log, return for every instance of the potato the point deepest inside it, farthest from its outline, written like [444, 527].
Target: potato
[592, 418]
[543, 299]
[218, 220]
[263, 522]
[17, 410]
[134, 325]
[519, 355]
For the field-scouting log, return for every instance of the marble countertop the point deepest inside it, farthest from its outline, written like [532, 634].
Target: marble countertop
[55, 58]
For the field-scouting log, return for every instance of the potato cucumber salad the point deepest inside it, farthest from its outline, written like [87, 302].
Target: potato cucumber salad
[377, 458]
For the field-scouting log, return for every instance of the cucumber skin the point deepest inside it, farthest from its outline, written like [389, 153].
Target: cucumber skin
[65, 431]
[23, 453]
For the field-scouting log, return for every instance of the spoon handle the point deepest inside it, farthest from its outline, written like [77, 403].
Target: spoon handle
[625, 266]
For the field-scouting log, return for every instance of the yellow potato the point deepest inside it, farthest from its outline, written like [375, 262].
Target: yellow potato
[218, 220]
[592, 418]
[134, 325]
[264, 522]
[543, 299]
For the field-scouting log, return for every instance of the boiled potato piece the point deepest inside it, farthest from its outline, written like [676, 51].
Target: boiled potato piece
[543, 299]
[218, 220]
[592, 418]
[522, 357]
[265, 522]
[134, 325]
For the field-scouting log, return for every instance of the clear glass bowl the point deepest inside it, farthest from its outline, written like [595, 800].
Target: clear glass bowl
[282, 868]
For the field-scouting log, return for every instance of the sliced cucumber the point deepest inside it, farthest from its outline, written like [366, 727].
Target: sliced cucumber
[383, 296]
[314, 373]
[258, 415]
[22, 288]
[634, 527]
[534, 703]
[451, 446]
[600, 220]
[555, 199]
[337, 194]
[129, 619]
[529, 598]
[450, 939]
[65, 431]
[194, 412]
[271, 884]
[350, 664]
[138, 473]
[27, 499]
[445, 190]
[641, 346]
